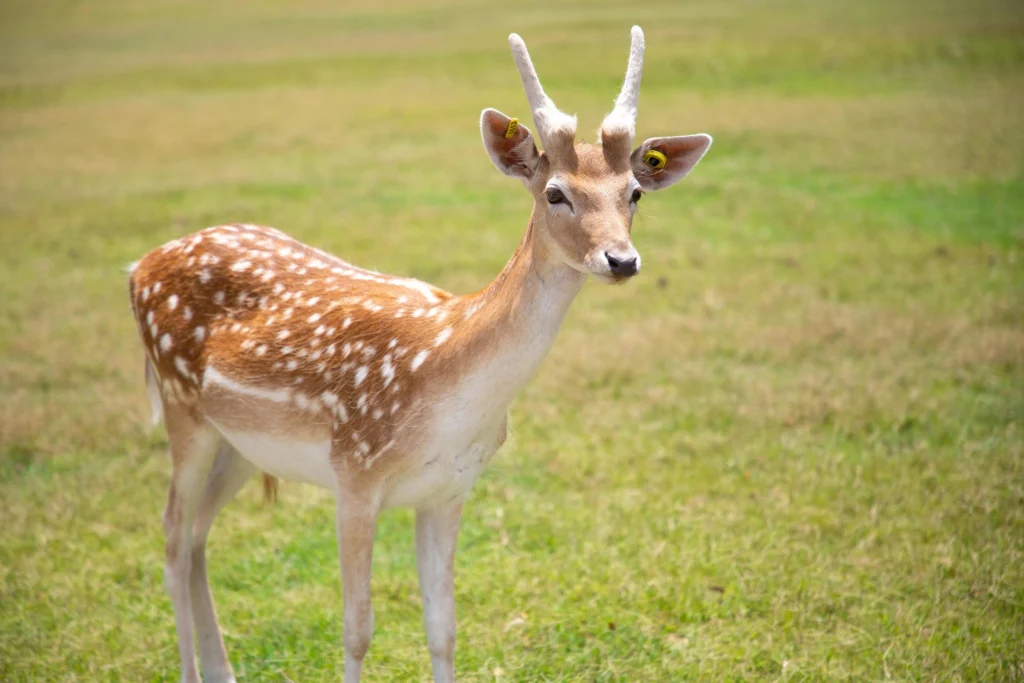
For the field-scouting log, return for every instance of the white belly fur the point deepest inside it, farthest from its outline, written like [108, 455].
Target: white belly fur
[305, 461]
[444, 473]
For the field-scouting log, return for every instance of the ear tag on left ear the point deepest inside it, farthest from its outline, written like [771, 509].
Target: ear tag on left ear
[512, 125]
[655, 159]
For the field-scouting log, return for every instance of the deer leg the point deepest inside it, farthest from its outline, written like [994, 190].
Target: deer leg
[229, 474]
[357, 525]
[436, 533]
[193, 448]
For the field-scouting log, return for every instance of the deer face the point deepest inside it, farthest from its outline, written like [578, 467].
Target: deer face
[584, 207]
[585, 195]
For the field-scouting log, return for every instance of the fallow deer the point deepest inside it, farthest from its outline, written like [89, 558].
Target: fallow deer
[265, 354]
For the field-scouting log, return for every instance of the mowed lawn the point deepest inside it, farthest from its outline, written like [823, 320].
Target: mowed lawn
[793, 448]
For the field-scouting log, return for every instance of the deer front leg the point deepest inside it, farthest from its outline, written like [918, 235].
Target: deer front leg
[357, 525]
[436, 532]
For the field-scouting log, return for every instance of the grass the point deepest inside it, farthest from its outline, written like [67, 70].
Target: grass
[791, 450]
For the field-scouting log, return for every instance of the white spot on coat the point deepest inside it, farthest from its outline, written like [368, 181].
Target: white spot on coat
[418, 359]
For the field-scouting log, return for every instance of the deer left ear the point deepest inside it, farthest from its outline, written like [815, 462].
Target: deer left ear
[661, 162]
[509, 144]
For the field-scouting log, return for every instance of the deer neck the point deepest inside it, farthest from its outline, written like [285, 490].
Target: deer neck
[517, 318]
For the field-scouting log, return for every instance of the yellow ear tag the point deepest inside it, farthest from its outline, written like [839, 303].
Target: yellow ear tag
[512, 125]
[655, 159]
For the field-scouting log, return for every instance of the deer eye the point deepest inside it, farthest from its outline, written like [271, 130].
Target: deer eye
[637, 194]
[554, 195]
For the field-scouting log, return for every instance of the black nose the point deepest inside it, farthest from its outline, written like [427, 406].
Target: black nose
[621, 266]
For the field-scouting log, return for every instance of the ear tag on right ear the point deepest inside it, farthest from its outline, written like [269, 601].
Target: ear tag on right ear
[512, 125]
[655, 159]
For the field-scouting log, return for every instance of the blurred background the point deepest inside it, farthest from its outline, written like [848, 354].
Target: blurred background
[791, 449]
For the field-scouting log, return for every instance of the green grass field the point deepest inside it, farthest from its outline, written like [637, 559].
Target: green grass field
[792, 449]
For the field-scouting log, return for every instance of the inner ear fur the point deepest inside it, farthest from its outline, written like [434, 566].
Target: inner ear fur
[513, 154]
[682, 153]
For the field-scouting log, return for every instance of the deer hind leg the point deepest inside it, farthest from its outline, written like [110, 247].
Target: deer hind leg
[194, 445]
[356, 526]
[228, 475]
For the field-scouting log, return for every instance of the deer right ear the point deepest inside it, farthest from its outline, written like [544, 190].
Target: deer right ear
[509, 144]
[661, 162]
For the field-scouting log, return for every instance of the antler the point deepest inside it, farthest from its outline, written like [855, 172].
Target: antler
[621, 121]
[555, 128]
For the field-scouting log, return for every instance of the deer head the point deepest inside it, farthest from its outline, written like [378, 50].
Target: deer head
[585, 195]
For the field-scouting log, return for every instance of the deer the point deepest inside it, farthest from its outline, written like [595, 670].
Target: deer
[264, 354]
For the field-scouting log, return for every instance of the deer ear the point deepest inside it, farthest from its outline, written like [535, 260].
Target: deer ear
[509, 144]
[661, 162]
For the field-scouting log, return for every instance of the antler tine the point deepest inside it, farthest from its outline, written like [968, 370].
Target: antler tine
[553, 125]
[531, 83]
[630, 94]
[622, 119]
